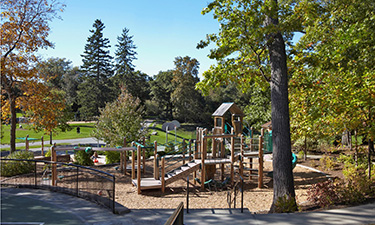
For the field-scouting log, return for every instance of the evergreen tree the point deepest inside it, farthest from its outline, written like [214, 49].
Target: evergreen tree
[96, 88]
[135, 82]
[161, 91]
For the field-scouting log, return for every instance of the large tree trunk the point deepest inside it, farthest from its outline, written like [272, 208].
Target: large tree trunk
[13, 121]
[283, 183]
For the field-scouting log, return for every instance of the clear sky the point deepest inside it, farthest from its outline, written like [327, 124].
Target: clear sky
[162, 30]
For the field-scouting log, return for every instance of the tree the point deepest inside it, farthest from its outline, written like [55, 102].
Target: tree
[53, 71]
[185, 98]
[337, 51]
[161, 91]
[119, 119]
[251, 49]
[125, 54]
[24, 29]
[71, 80]
[96, 88]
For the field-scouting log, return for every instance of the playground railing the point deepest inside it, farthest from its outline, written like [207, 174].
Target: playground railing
[88, 183]
[174, 158]
[177, 218]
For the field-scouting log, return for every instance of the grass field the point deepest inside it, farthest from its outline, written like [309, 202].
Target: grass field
[185, 131]
[86, 130]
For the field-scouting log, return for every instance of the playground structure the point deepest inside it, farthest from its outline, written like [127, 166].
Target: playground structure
[237, 150]
[194, 157]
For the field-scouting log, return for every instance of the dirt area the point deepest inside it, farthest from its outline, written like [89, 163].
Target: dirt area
[255, 199]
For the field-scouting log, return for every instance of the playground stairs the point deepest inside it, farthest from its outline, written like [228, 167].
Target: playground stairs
[182, 171]
[170, 177]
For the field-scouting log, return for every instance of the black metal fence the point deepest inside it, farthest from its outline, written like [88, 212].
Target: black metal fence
[88, 183]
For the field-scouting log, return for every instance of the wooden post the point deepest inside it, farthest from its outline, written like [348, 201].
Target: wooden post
[133, 162]
[260, 164]
[139, 169]
[125, 157]
[194, 157]
[222, 155]
[213, 146]
[242, 155]
[156, 168]
[42, 139]
[54, 166]
[190, 150]
[163, 175]
[27, 142]
[232, 159]
[183, 151]
[203, 157]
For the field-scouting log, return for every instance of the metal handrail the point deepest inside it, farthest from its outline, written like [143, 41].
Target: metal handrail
[71, 191]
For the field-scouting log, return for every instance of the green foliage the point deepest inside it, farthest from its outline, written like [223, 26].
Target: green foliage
[327, 162]
[83, 158]
[357, 187]
[286, 204]
[187, 101]
[112, 157]
[12, 168]
[96, 88]
[119, 119]
[161, 91]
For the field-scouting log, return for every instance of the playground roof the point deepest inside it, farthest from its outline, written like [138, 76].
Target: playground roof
[267, 125]
[231, 106]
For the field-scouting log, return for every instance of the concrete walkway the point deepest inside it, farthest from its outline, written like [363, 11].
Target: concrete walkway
[76, 209]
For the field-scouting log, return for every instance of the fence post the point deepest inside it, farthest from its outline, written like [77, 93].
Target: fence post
[190, 150]
[27, 142]
[232, 159]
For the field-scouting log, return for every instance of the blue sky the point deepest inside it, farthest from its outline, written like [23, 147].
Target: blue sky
[162, 30]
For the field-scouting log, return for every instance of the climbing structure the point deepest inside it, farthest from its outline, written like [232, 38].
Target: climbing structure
[194, 157]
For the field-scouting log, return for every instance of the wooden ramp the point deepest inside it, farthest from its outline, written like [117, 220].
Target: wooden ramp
[170, 177]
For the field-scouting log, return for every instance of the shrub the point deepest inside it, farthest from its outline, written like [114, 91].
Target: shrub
[12, 168]
[327, 162]
[324, 193]
[83, 158]
[112, 157]
[285, 204]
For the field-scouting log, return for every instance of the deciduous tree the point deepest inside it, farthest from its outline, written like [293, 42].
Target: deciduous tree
[24, 30]
[251, 49]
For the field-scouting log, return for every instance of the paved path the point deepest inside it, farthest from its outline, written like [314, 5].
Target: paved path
[76, 209]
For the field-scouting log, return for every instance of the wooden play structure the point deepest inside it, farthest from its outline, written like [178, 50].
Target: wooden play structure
[197, 157]
[123, 156]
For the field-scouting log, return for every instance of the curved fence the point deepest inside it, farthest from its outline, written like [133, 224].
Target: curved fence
[88, 183]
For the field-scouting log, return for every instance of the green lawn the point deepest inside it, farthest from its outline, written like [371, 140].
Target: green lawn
[86, 130]
[161, 136]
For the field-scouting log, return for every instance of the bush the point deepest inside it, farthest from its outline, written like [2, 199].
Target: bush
[112, 157]
[357, 187]
[285, 204]
[83, 158]
[324, 193]
[12, 168]
[327, 162]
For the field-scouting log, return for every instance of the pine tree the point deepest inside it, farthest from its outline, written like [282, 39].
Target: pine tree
[96, 88]
[125, 75]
